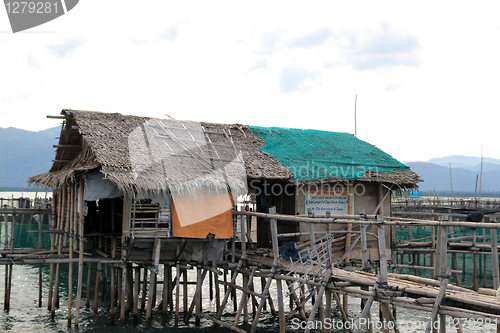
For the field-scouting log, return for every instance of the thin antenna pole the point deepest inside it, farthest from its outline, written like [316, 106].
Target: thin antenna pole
[355, 125]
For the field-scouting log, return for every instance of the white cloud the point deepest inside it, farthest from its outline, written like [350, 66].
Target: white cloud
[294, 79]
[66, 48]
[170, 34]
[259, 64]
[312, 39]
[382, 47]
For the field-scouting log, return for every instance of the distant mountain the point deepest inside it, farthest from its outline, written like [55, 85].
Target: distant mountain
[467, 162]
[24, 154]
[438, 177]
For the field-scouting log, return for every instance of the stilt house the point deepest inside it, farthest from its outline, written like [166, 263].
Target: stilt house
[133, 180]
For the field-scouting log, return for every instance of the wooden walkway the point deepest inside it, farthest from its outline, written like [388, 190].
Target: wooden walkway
[405, 290]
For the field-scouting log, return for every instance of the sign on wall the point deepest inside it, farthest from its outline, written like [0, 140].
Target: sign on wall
[322, 199]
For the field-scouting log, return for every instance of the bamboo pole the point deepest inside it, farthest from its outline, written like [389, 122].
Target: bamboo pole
[350, 211]
[383, 269]
[494, 261]
[97, 283]
[123, 291]
[275, 266]
[7, 267]
[164, 296]
[177, 287]
[319, 298]
[170, 289]
[70, 273]
[439, 298]
[216, 276]
[112, 296]
[494, 257]
[55, 296]
[344, 315]
[276, 253]
[196, 302]
[474, 258]
[368, 305]
[152, 282]
[137, 279]
[356, 219]
[89, 284]
[296, 300]
[80, 254]
[144, 288]
[55, 208]
[130, 287]
[185, 293]
[244, 297]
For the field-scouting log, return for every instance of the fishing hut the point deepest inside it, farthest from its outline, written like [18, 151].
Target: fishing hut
[138, 202]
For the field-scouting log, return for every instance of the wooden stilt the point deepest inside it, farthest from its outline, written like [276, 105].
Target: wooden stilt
[170, 297]
[177, 288]
[196, 302]
[60, 227]
[474, 240]
[152, 282]
[328, 308]
[368, 305]
[276, 253]
[274, 233]
[80, 254]
[383, 270]
[144, 288]
[198, 295]
[8, 275]
[211, 285]
[112, 296]
[89, 284]
[97, 283]
[123, 293]
[316, 305]
[439, 298]
[344, 315]
[262, 285]
[70, 274]
[166, 285]
[130, 287]
[55, 209]
[185, 292]
[233, 295]
[216, 276]
[294, 298]
[137, 279]
[494, 261]
[243, 306]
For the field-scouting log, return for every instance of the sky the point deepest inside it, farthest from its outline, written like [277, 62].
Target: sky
[426, 74]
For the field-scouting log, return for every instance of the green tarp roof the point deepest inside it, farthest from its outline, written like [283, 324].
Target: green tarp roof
[312, 154]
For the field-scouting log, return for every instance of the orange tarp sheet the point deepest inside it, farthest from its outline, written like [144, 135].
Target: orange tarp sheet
[197, 217]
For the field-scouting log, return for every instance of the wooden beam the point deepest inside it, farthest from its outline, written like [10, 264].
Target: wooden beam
[56, 117]
[66, 146]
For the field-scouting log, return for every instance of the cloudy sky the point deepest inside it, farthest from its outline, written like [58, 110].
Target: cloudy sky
[426, 74]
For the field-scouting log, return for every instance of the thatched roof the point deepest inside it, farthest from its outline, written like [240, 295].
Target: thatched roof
[125, 148]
